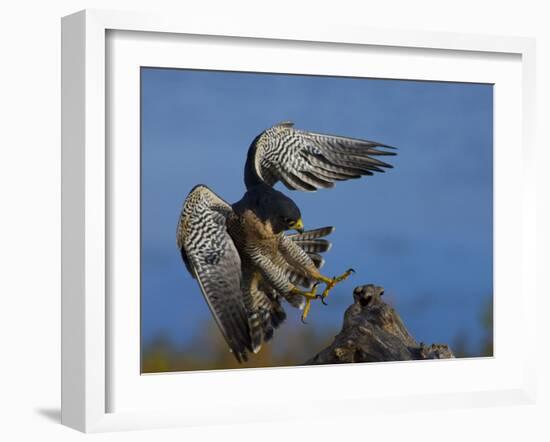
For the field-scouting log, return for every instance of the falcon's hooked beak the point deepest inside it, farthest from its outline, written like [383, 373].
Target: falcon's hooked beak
[297, 225]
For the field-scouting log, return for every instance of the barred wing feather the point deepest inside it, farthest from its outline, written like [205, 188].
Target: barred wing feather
[212, 258]
[309, 161]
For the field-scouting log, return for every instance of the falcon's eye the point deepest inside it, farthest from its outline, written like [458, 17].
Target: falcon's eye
[289, 221]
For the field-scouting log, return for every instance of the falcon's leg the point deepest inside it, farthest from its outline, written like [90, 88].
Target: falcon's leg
[278, 279]
[272, 273]
[311, 295]
[331, 282]
[297, 257]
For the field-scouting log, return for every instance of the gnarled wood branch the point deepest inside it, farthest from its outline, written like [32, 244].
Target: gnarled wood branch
[374, 332]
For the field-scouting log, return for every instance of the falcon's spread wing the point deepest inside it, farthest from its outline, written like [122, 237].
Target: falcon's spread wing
[310, 161]
[210, 255]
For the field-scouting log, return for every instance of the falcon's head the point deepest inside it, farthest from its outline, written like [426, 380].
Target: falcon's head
[280, 211]
[284, 214]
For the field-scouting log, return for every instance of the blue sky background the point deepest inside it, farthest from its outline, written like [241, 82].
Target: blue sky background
[423, 230]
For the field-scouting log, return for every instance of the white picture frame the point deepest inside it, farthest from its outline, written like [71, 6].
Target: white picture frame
[87, 355]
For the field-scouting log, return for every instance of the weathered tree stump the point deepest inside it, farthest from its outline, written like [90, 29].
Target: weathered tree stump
[374, 332]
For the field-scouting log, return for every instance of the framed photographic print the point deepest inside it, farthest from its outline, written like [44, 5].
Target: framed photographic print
[268, 209]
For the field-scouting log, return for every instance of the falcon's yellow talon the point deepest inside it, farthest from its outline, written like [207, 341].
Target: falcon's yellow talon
[312, 294]
[331, 282]
[306, 310]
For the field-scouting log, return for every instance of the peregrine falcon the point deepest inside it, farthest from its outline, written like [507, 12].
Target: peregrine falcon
[239, 253]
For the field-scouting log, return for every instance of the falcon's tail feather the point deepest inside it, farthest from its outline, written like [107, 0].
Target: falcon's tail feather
[311, 234]
[318, 260]
[271, 319]
[255, 323]
[312, 242]
[273, 314]
[278, 314]
[266, 314]
[315, 245]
